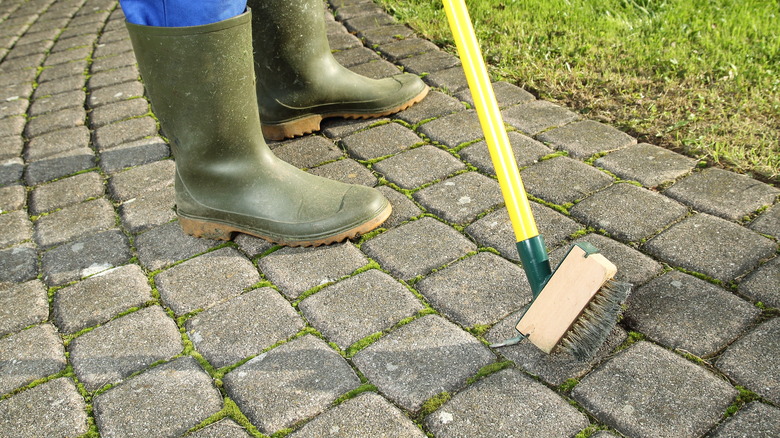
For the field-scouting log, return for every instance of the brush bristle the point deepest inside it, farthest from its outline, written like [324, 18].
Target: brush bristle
[596, 322]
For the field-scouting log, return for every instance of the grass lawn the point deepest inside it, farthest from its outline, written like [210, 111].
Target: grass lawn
[701, 77]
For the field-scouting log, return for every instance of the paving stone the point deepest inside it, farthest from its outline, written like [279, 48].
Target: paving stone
[114, 61]
[768, 222]
[647, 164]
[647, 391]
[57, 102]
[73, 222]
[76, 160]
[352, 57]
[683, 312]
[18, 264]
[69, 55]
[425, 63]
[296, 270]
[422, 359]
[385, 34]
[111, 77]
[308, 151]
[435, 104]
[343, 40]
[67, 191]
[54, 408]
[134, 153]
[381, 141]
[204, 281]
[12, 126]
[763, 285]
[11, 171]
[290, 383]
[115, 93]
[575, 180]
[142, 179]
[116, 111]
[10, 89]
[68, 44]
[711, 246]
[10, 150]
[526, 150]
[167, 244]
[403, 208]
[347, 171]
[365, 415]
[628, 212]
[12, 198]
[59, 85]
[337, 127]
[58, 143]
[537, 116]
[754, 360]
[352, 309]
[87, 256]
[723, 193]
[586, 138]
[755, 420]
[377, 69]
[163, 402]
[22, 305]
[368, 22]
[358, 10]
[454, 129]
[452, 80]
[15, 227]
[506, 95]
[22, 63]
[418, 166]
[73, 71]
[462, 198]
[243, 326]
[398, 50]
[148, 210]
[13, 107]
[115, 134]
[102, 50]
[506, 404]
[30, 355]
[252, 246]
[99, 298]
[225, 428]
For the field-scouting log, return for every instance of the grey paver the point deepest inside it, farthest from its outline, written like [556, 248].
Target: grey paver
[290, 383]
[454, 129]
[66, 191]
[648, 164]
[347, 171]
[359, 306]
[54, 408]
[385, 34]
[377, 69]
[73, 222]
[337, 127]
[59, 85]
[112, 77]
[18, 263]
[167, 244]
[403, 208]
[252, 246]
[683, 312]
[73, 71]
[647, 391]
[343, 40]
[165, 402]
[406, 168]
[113, 61]
[585, 138]
[768, 222]
[356, 56]
[22, 305]
[536, 116]
[11, 171]
[116, 111]
[13, 125]
[30, 355]
[754, 360]
[55, 144]
[76, 160]
[115, 134]
[134, 153]
[461, 198]
[307, 151]
[132, 182]
[383, 140]
[506, 404]
[435, 104]
[15, 227]
[12, 198]
[526, 150]
[427, 63]
[755, 420]
[452, 79]
[506, 95]
[369, 22]
[10, 148]
[57, 102]
[243, 326]
[124, 346]
[405, 48]
[226, 428]
[574, 180]
[148, 210]
[84, 257]
[115, 93]
[764, 284]
[422, 359]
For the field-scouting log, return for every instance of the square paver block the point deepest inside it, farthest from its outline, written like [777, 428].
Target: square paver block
[628, 212]
[352, 309]
[681, 311]
[70, 163]
[252, 246]
[647, 164]
[417, 247]
[296, 270]
[764, 284]
[57, 144]
[115, 134]
[435, 104]
[66, 191]
[22, 305]
[585, 138]
[356, 56]
[454, 129]
[398, 50]
[418, 166]
[225, 428]
[124, 346]
[462, 198]
[563, 180]
[383, 140]
[18, 264]
[243, 326]
[167, 244]
[506, 94]
[371, 21]
[307, 151]
[537, 116]
[85, 257]
[376, 69]
[148, 210]
[647, 391]
[165, 401]
[754, 420]
[754, 360]
[206, 280]
[54, 408]
[712, 246]
[337, 127]
[451, 80]
[507, 404]
[347, 171]
[99, 298]
[367, 415]
[428, 62]
[132, 182]
[12, 198]
[290, 383]
[768, 222]
[723, 193]
[526, 150]
[403, 208]
[73, 222]
[135, 153]
[30, 355]
[15, 227]
[422, 359]
[479, 290]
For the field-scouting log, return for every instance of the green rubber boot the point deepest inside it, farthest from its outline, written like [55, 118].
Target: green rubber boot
[299, 82]
[200, 81]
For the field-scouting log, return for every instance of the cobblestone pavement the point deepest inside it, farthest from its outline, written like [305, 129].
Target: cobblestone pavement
[114, 323]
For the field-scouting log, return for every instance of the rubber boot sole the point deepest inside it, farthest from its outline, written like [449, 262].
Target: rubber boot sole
[309, 124]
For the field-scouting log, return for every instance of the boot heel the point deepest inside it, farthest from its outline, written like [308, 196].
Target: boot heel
[207, 230]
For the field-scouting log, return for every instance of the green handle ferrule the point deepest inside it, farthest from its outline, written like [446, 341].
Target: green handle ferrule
[536, 263]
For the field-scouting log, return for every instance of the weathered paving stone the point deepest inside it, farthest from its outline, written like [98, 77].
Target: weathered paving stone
[67, 191]
[116, 111]
[59, 85]
[462, 198]
[13, 107]
[290, 383]
[385, 34]
[356, 56]
[347, 12]
[526, 150]
[70, 70]
[133, 182]
[113, 48]
[754, 360]
[11, 171]
[381, 141]
[148, 210]
[426, 63]
[422, 359]
[537, 116]
[115, 93]
[365, 415]
[10, 149]
[418, 166]
[507, 403]
[307, 151]
[756, 420]
[585, 138]
[165, 401]
[712, 246]
[454, 129]
[768, 222]
[377, 69]
[347, 171]
[115, 134]
[12, 198]
[88, 256]
[252, 246]
[683, 312]
[352, 309]
[167, 244]
[243, 326]
[435, 104]
[764, 284]
[337, 127]
[628, 212]
[506, 95]
[343, 40]
[57, 102]
[368, 22]
[225, 428]
[18, 264]
[204, 281]
[479, 290]
[723, 193]
[73, 222]
[112, 77]
[54, 408]
[296, 270]
[111, 62]
[15, 227]
[54, 144]
[134, 153]
[99, 298]
[63, 56]
[13, 125]
[577, 180]
[403, 208]
[22, 305]
[417, 247]
[647, 164]
[30, 355]
[74, 161]
[398, 50]
[647, 391]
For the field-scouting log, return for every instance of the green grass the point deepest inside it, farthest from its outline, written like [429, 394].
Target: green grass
[700, 77]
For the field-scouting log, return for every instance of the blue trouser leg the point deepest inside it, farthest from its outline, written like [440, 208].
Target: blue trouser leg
[178, 13]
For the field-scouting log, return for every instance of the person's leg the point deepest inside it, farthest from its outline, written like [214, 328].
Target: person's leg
[180, 13]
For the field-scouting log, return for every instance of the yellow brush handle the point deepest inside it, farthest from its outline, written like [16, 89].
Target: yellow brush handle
[490, 118]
